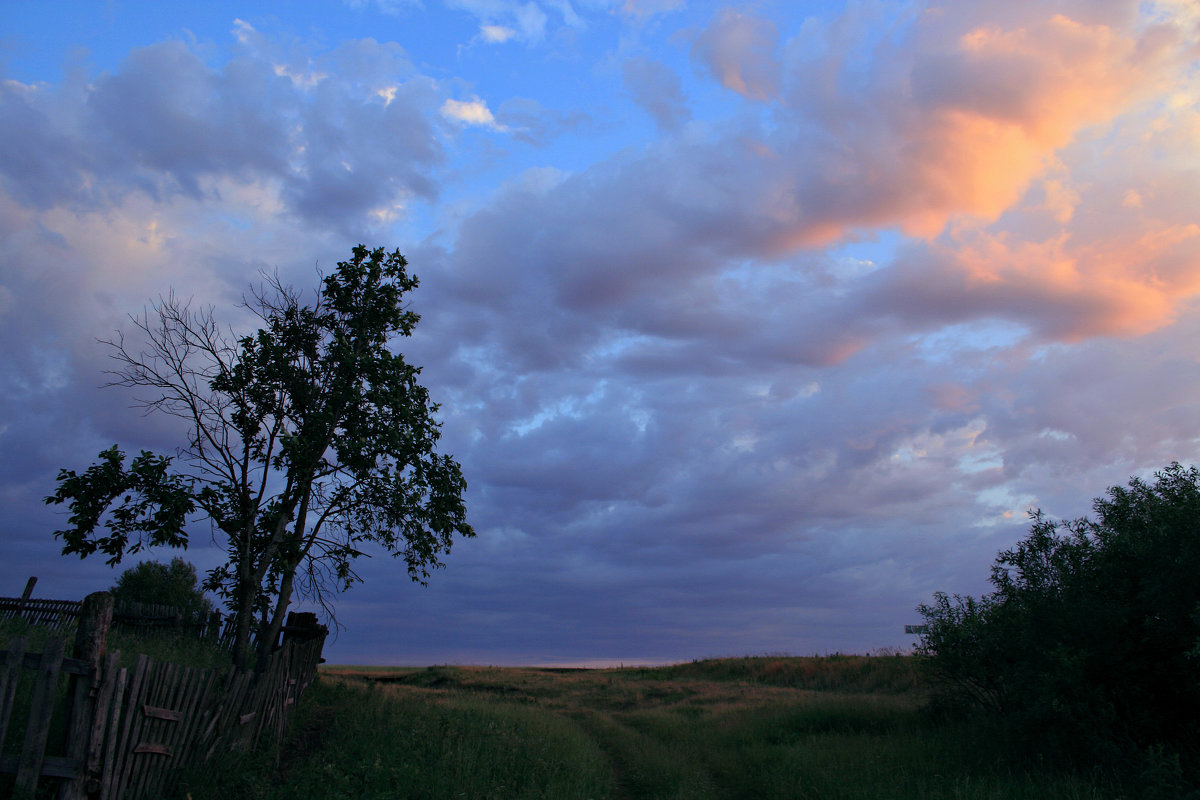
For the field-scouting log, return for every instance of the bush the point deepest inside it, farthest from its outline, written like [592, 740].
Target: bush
[173, 584]
[1089, 643]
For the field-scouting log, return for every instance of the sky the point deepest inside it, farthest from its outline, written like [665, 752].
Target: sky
[752, 324]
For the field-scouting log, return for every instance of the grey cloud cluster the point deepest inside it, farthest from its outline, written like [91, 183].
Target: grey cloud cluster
[914, 150]
[739, 50]
[166, 123]
[656, 88]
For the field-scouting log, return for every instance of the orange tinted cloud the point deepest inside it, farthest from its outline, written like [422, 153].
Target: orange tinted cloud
[1033, 153]
[961, 121]
[995, 106]
[1060, 288]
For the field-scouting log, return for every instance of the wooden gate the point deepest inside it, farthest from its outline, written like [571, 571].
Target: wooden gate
[129, 731]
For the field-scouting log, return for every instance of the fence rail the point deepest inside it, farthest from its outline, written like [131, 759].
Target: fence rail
[128, 731]
[57, 615]
[61, 615]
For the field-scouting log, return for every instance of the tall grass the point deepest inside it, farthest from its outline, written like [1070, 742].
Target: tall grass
[160, 644]
[168, 645]
[718, 729]
[837, 672]
[363, 742]
[851, 747]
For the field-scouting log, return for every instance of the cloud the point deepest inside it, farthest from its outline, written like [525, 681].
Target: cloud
[1062, 289]
[739, 50]
[1007, 233]
[496, 34]
[695, 280]
[526, 20]
[470, 112]
[656, 89]
[642, 9]
[528, 121]
[393, 7]
[166, 124]
[974, 118]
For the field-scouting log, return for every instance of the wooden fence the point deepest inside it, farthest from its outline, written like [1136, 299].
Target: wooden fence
[56, 615]
[128, 731]
[61, 615]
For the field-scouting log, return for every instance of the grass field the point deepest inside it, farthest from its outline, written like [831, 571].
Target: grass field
[761, 728]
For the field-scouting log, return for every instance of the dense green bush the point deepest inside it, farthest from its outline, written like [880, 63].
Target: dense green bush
[174, 584]
[1090, 643]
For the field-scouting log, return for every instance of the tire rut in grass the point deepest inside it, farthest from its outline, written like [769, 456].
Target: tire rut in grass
[304, 740]
[643, 767]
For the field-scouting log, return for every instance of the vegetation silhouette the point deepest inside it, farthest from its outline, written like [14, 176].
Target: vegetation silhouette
[175, 584]
[307, 441]
[1087, 648]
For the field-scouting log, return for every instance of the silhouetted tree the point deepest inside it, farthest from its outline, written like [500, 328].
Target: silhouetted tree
[308, 440]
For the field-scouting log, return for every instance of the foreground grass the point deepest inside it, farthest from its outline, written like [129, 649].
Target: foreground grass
[729, 728]
[160, 645]
[358, 741]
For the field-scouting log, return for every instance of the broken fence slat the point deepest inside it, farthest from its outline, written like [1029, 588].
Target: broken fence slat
[162, 713]
[156, 749]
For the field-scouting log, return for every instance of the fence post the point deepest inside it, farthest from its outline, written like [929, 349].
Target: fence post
[26, 595]
[91, 642]
[300, 625]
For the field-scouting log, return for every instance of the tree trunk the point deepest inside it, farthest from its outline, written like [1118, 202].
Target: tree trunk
[245, 613]
[266, 642]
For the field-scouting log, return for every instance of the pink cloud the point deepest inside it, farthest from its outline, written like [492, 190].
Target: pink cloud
[1061, 288]
[962, 123]
[953, 397]
[739, 50]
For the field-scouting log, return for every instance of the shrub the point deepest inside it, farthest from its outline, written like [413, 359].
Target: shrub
[1089, 642]
[173, 584]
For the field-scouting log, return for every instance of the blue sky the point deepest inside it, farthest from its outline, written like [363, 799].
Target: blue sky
[752, 324]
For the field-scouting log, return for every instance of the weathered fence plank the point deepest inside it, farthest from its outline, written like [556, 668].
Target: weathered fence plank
[121, 735]
[109, 775]
[29, 767]
[152, 753]
[14, 660]
[111, 688]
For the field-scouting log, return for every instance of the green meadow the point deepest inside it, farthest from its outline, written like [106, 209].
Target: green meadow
[817, 728]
